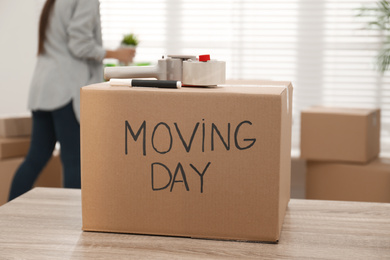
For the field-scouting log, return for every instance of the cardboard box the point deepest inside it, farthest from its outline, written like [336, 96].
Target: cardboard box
[14, 147]
[51, 175]
[340, 134]
[193, 162]
[15, 126]
[351, 182]
[298, 178]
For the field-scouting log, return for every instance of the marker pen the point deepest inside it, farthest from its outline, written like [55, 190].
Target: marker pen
[146, 83]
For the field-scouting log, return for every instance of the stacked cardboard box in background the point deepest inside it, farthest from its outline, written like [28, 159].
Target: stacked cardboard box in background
[341, 147]
[14, 144]
[14, 136]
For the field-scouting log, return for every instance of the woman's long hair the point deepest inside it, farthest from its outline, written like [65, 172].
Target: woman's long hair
[43, 22]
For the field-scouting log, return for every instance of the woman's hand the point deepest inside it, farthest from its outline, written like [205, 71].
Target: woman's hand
[123, 54]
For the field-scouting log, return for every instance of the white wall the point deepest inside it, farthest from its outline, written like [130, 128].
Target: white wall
[18, 45]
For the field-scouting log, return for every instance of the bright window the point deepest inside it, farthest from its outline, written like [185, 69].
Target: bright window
[321, 46]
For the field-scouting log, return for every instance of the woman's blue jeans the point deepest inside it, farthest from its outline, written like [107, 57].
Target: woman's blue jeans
[48, 128]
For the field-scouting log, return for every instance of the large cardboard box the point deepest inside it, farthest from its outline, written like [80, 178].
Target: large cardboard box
[340, 134]
[51, 175]
[14, 146]
[346, 181]
[15, 126]
[192, 162]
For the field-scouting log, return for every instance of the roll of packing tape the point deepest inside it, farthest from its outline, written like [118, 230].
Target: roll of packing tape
[208, 73]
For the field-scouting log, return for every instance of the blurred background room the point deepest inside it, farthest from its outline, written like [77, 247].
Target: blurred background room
[326, 48]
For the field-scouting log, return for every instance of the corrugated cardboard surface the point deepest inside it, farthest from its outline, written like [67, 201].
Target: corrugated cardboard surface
[14, 147]
[245, 187]
[51, 175]
[346, 181]
[15, 126]
[340, 134]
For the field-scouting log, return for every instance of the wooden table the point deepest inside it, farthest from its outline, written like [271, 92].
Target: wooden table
[45, 223]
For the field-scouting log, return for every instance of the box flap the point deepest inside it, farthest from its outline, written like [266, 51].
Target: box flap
[228, 89]
[340, 110]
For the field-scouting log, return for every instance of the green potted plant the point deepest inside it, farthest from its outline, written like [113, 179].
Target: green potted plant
[379, 16]
[130, 40]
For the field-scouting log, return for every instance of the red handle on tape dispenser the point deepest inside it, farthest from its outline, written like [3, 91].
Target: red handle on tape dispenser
[204, 58]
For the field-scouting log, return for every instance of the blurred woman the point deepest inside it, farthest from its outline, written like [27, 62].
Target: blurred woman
[70, 55]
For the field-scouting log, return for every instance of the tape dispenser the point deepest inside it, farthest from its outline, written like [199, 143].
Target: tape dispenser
[185, 68]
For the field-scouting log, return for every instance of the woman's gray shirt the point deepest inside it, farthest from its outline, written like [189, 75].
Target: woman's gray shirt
[72, 58]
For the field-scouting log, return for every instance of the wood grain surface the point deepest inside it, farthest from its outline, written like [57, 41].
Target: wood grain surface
[45, 223]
